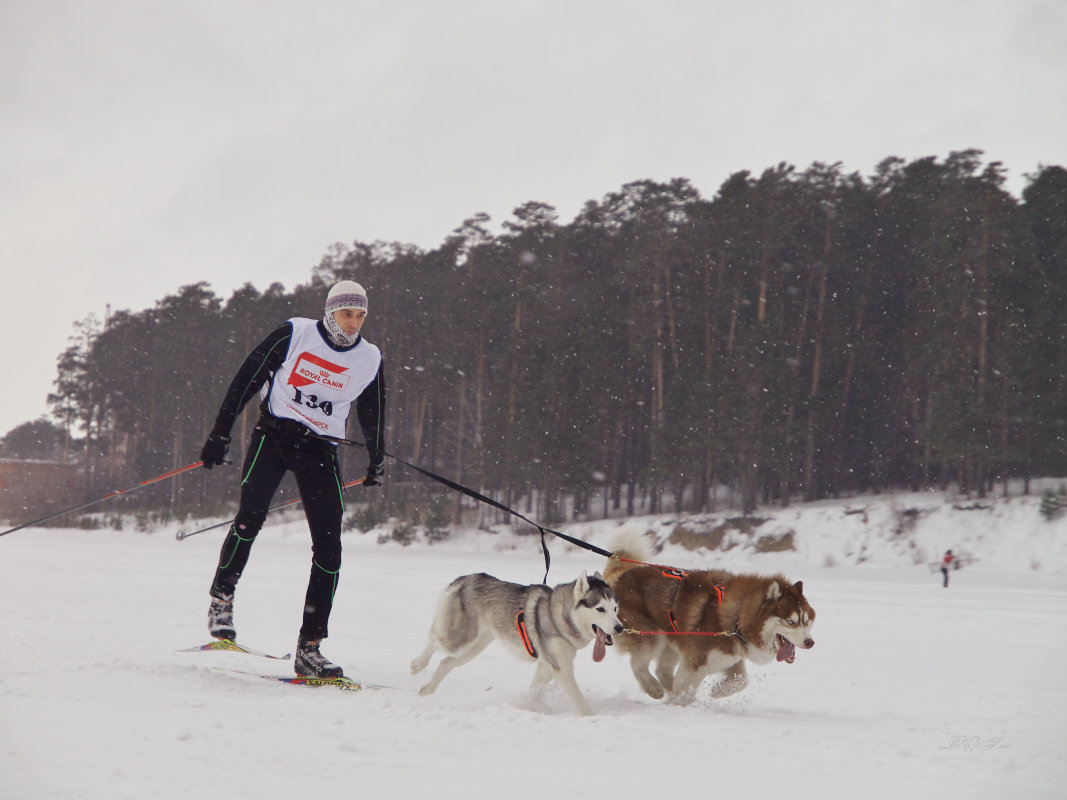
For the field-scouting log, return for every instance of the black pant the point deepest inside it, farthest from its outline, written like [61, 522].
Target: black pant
[275, 449]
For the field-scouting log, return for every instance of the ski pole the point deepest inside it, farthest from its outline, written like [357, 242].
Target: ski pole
[115, 493]
[181, 535]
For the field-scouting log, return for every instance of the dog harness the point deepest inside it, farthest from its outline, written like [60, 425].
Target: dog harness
[520, 623]
[681, 575]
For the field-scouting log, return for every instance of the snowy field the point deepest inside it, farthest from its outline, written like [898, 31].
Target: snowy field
[911, 690]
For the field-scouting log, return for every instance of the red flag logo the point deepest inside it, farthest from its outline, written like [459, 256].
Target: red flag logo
[310, 369]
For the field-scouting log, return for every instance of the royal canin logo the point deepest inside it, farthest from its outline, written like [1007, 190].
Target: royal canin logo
[310, 369]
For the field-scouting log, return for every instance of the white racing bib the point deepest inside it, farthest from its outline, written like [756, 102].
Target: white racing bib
[316, 384]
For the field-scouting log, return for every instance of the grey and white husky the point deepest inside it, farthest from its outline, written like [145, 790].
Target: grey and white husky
[541, 624]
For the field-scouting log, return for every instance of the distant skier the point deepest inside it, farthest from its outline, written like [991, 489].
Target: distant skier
[946, 565]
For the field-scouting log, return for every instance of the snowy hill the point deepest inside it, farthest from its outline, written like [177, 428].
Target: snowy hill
[901, 530]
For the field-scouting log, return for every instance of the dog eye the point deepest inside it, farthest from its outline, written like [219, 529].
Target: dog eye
[791, 622]
[600, 609]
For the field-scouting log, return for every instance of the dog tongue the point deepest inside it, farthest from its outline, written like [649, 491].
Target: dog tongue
[600, 645]
[787, 652]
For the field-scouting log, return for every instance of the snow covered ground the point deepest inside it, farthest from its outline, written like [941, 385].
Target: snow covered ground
[911, 690]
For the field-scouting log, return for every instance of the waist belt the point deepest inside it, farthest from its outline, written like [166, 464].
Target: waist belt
[292, 433]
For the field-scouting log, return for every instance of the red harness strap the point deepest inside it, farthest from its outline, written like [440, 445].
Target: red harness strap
[520, 623]
[678, 574]
[682, 633]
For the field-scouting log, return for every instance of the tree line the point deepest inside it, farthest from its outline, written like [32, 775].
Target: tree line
[800, 335]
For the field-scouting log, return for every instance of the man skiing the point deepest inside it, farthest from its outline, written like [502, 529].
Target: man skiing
[308, 374]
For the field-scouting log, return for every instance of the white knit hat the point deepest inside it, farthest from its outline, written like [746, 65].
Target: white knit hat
[346, 294]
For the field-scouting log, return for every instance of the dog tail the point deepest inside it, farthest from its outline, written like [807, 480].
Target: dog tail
[628, 543]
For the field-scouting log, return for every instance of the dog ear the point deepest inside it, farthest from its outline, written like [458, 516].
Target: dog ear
[581, 586]
[598, 576]
[774, 591]
[799, 587]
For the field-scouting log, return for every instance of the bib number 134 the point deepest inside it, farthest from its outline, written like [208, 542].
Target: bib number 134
[312, 401]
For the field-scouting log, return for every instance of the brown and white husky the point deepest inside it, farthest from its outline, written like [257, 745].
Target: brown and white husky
[757, 618]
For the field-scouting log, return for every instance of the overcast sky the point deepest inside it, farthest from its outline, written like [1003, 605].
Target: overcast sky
[146, 144]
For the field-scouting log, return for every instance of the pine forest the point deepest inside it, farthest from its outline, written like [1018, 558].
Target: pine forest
[800, 335]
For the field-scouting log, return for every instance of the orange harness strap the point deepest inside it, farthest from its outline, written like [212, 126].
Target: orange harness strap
[673, 621]
[681, 575]
[520, 623]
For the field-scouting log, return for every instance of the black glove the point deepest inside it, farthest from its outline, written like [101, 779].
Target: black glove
[214, 450]
[375, 470]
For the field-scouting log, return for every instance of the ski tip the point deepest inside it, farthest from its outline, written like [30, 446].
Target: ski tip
[214, 644]
[179, 535]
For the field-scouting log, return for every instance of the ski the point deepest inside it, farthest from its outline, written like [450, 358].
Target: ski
[230, 644]
[343, 683]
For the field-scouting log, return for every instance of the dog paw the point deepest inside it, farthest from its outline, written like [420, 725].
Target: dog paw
[421, 661]
[683, 698]
[728, 687]
[655, 691]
